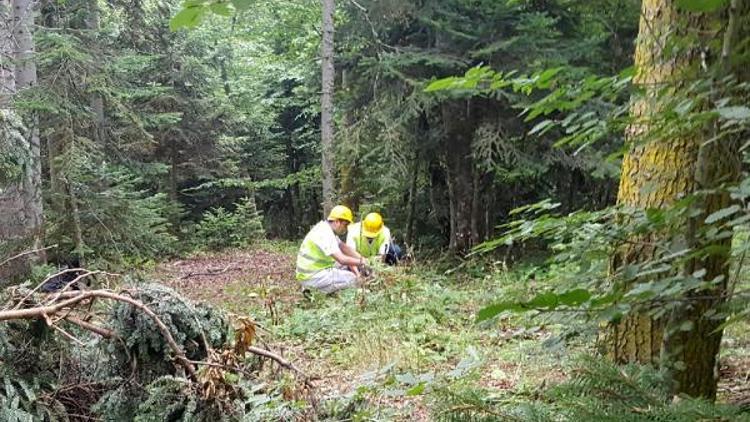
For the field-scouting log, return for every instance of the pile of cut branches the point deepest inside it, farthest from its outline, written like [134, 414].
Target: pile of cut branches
[138, 352]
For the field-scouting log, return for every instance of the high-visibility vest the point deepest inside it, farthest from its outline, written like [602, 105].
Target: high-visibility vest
[365, 247]
[311, 259]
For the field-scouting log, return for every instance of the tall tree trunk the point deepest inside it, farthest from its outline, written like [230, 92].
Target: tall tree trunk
[96, 101]
[654, 175]
[7, 74]
[21, 220]
[326, 106]
[458, 118]
[25, 73]
[412, 214]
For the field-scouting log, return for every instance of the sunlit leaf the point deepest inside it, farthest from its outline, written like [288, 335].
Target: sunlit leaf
[416, 390]
[189, 17]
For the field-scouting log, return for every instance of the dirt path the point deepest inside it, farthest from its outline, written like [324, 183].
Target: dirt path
[235, 279]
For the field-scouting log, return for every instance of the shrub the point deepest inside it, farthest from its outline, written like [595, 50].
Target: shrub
[220, 228]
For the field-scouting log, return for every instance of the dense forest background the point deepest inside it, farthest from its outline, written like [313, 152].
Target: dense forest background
[146, 132]
[574, 167]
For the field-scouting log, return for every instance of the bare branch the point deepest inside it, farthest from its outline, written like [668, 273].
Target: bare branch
[22, 254]
[73, 298]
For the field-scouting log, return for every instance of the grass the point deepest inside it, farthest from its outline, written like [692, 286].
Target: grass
[411, 326]
[397, 347]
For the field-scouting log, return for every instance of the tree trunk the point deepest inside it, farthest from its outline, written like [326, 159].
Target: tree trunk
[21, 220]
[326, 106]
[96, 102]
[412, 214]
[657, 172]
[7, 74]
[23, 20]
[459, 131]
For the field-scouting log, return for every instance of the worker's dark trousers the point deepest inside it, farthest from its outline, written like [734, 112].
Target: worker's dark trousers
[394, 254]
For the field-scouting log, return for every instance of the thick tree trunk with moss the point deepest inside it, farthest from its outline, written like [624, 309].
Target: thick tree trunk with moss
[655, 173]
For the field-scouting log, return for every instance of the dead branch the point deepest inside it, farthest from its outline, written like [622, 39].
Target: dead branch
[86, 273]
[22, 254]
[73, 298]
[91, 327]
[281, 361]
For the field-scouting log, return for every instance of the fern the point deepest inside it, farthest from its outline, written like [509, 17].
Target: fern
[596, 391]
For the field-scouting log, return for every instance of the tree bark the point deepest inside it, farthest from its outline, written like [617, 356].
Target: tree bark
[26, 77]
[657, 172]
[326, 106]
[96, 102]
[458, 119]
[411, 216]
[21, 220]
[7, 74]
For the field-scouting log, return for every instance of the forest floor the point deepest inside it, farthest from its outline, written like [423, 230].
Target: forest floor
[407, 340]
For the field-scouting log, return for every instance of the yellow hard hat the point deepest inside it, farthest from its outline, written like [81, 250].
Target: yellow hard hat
[372, 225]
[341, 212]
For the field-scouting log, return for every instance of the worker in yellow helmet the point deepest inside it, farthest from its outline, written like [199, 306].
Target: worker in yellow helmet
[324, 262]
[371, 238]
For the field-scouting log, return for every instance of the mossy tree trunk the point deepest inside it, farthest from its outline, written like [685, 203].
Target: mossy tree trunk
[657, 171]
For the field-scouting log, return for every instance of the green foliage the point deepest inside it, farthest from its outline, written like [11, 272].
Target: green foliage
[13, 148]
[595, 391]
[222, 229]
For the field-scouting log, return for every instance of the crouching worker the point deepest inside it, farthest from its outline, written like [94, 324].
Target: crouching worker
[324, 262]
[371, 238]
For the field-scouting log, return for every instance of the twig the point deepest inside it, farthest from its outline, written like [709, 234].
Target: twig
[66, 334]
[69, 270]
[220, 365]
[22, 254]
[227, 268]
[104, 332]
[281, 361]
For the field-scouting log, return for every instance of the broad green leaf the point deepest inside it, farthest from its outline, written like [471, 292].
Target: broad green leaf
[700, 5]
[544, 300]
[498, 308]
[544, 79]
[188, 17]
[574, 297]
[441, 84]
[221, 8]
[722, 213]
[416, 390]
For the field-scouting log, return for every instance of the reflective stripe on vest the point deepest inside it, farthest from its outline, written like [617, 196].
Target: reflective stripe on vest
[364, 246]
[311, 259]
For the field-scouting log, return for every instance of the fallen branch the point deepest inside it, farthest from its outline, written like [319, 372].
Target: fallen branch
[73, 298]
